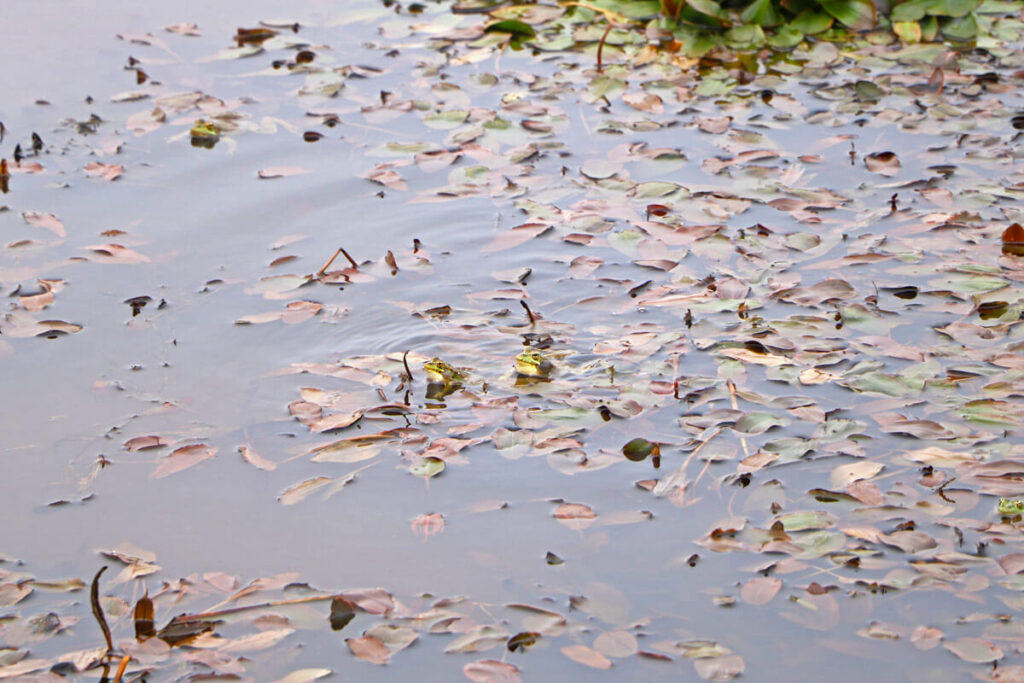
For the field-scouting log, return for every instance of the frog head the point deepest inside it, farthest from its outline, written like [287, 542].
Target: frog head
[531, 363]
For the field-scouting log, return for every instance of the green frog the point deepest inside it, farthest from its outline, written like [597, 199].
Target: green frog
[204, 134]
[531, 363]
[442, 379]
[439, 372]
[1008, 507]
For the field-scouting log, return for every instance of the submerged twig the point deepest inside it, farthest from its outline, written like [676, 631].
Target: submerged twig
[97, 610]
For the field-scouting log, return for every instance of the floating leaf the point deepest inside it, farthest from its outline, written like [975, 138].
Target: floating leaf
[760, 590]
[638, 449]
[974, 650]
[587, 656]
[369, 649]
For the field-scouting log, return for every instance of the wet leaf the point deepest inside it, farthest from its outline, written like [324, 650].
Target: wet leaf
[512, 26]
[587, 656]
[303, 490]
[305, 675]
[844, 475]
[182, 459]
[884, 163]
[369, 649]
[976, 650]
[638, 449]
[39, 219]
[491, 671]
[760, 590]
[723, 668]
[281, 172]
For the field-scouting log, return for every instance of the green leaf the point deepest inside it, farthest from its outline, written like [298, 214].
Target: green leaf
[929, 28]
[856, 14]
[762, 13]
[786, 36]
[810, 22]
[908, 31]
[638, 449]
[913, 10]
[745, 37]
[426, 467]
[708, 8]
[757, 423]
[962, 28]
[868, 92]
[807, 519]
[952, 8]
[513, 27]
[697, 42]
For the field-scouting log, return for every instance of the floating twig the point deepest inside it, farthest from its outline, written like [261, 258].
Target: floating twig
[97, 610]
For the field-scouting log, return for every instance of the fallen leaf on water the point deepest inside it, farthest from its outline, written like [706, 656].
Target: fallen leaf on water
[884, 163]
[45, 220]
[105, 171]
[719, 668]
[516, 236]
[587, 656]
[115, 253]
[491, 671]
[141, 443]
[302, 490]
[182, 459]
[280, 171]
[575, 515]
[760, 590]
[976, 650]
[617, 644]
[369, 649]
[844, 475]
[255, 459]
[428, 524]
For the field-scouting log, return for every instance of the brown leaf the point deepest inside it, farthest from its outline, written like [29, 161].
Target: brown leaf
[587, 656]
[115, 253]
[182, 459]
[45, 220]
[516, 236]
[303, 490]
[884, 163]
[491, 671]
[280, 172]
[1012, 563]
[255, 459]
[976, 650]
[369, 649]
[428, 524]
[141, 443]
[760, 590]
[105, 171]
[576, 516]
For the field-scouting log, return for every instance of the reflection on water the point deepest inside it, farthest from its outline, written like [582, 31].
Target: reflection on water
[207, 230]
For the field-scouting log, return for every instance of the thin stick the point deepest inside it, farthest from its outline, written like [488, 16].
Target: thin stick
[405, 362]
[206, 616]
[97, 610]
[121, 667]
[600, 46]
[735, 406]
[327, 265]
[354, 264]
[533, 319]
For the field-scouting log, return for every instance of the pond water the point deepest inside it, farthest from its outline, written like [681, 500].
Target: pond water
[793, 281]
